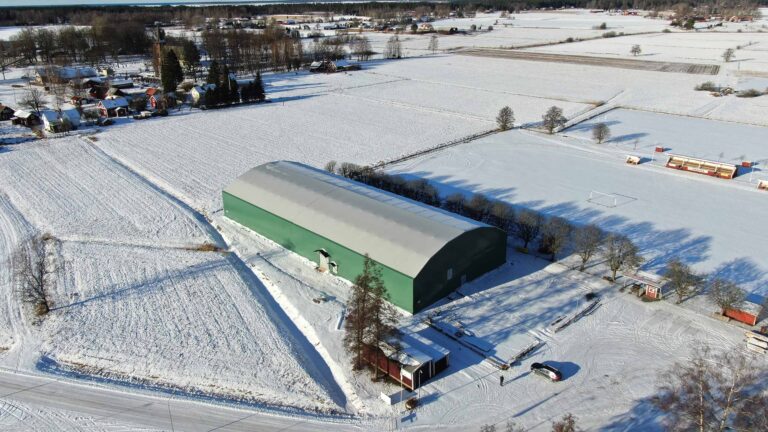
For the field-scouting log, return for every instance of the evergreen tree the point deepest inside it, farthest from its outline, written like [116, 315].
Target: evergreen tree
[371, 319]
[171, 73]
[382, 328]
[214, 75]
[358, 307]
[191, 57]
[258, 88]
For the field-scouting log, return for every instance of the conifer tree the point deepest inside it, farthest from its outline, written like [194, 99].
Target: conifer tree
[171, 73]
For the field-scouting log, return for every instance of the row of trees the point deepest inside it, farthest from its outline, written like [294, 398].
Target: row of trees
[92, 45]
[551, 120]
[225, 89]
[552, 234]
[371, 320]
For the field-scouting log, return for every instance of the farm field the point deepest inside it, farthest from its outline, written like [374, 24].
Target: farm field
[639, 132]
[751, 48]
[161, 295]
[667, 213]
[177, 319]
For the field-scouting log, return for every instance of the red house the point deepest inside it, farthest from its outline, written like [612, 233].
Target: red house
[646, 284]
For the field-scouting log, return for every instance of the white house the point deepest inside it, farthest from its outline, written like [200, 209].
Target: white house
[197, 94]
[55, 122]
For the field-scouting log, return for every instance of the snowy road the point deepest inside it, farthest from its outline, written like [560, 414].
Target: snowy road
[107, 406]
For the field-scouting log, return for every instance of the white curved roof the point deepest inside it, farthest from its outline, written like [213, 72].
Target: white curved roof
[395, 231]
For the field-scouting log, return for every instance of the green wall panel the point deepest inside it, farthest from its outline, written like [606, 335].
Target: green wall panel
[305, 242]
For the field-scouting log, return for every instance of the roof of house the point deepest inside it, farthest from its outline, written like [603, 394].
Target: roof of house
[152, 90]
[397, 232]
[118, 102]
[5, 107]
[69, 72]
[50, 116]
[22, 114]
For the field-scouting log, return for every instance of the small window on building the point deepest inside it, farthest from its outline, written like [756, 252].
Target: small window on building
[450, 274]
[334, 267]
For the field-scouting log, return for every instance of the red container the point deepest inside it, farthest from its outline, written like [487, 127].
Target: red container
[659, 149]
[746, 164]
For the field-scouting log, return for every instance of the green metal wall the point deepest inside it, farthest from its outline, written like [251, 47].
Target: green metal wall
[305, 243]
[471, 255]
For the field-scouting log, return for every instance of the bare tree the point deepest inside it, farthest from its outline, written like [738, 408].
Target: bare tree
[433, 43]
[34, 269]
[393, 49]
[621, 254]
[587, 241]
[555, 234]
[33, 99]
[601, 132]
[479, 207]
[725, 294]
[682, 279]
[566, 424]
[506, 118]
[488, 428]
[728, 54]
[527, 226]
[330, 166]
[513, 427]
[635, 50]
[711, 392]
[502, 215]
[456, 203]
[361, 47]
[553, 119]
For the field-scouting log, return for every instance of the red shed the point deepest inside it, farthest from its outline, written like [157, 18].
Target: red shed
[748, 312]
[416, 361]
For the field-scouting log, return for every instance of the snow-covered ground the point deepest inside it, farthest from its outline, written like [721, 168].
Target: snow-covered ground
[138, 305]
[640, 132]
[714, 225]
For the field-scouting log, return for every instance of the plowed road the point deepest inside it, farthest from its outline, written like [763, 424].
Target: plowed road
[145, 410]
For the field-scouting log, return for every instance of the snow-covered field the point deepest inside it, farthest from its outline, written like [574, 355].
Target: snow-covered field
[712, 224]
[194, 321]
[137, 304]
[640, 132]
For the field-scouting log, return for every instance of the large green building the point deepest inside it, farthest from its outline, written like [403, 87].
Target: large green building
[424, 252]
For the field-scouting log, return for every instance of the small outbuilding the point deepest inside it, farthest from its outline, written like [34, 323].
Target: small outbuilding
[411, 361]
[748, 312]
[6, 112]
[646, 284]
[25, 118]
[424, 252]
[117, 107]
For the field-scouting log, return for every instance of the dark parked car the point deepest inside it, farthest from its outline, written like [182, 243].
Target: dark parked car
[547, 371]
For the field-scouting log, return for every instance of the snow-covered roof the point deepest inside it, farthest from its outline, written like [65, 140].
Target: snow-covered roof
[118, 102]
[50, 116]
[646, 278]
[22, 114]
[69, 72]
[398, 232]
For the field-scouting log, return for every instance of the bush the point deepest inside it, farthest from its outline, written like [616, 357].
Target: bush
[666, 30]
[749, 93]
[609, 34]
[569, 40]
[602, 26]
[707, 86]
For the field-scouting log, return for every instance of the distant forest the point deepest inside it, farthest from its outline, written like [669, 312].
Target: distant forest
[87, 15]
